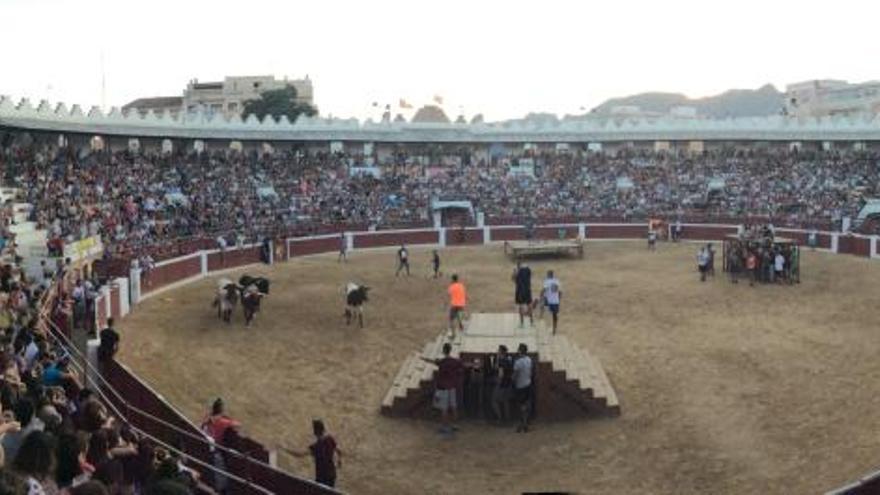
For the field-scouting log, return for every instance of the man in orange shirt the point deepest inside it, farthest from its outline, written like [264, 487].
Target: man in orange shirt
[457, 303]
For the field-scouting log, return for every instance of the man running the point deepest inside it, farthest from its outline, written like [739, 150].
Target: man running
[402, 260]
[522, 278]
[551, 294]
[457, 302]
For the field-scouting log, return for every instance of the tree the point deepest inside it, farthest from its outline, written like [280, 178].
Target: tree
[432, 114]
[278, 102]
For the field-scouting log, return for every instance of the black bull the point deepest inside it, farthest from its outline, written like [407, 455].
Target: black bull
[262, 283]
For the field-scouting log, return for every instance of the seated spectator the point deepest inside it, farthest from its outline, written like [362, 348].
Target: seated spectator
[36, 463]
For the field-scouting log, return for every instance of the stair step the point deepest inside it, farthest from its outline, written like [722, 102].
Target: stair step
[23, 227]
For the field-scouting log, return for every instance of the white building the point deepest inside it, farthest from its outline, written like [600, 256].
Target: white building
[226, 97]
[827, 97]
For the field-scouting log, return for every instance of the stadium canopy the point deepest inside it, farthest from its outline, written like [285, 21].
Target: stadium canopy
[267, 192]
[624, 184]
[455, 205]
[872, 207]
[716, 184]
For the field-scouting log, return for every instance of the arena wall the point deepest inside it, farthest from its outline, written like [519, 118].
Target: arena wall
[382, 239]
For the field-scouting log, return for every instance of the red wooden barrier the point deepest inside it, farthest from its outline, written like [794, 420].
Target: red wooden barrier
[306, 246]
[172, 271]
[637, 231]
[380, 239]
[461, 237]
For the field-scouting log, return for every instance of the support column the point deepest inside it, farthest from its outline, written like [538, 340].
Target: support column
[203, 262]
[582, 231]
[108, 307]
[134, 285]
[874, 253]
[349, 241]
[124, 304]
[441, 237]
[91, 378]
[834, 242]
[487, 235]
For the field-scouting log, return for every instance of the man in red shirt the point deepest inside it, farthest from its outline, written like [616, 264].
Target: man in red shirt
[325, 452]
[216, 426]
[752, 268]
[450, 373]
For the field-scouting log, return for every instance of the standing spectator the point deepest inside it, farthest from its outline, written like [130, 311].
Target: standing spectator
[325, 452]
[522, 383]
[779, 266]
[752, 268]
[457, 303]
[402, 260]
[501, 380]
[79, 304]
[216, 426]
[449, 377]
[343, 248]
[109, 342]
[435, 263]
[710, 267]
[703, 263]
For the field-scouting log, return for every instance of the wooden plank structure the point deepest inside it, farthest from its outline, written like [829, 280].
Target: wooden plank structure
[523, 249]
[569, 381]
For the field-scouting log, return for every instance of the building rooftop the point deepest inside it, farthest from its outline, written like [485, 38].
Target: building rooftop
[154, 102]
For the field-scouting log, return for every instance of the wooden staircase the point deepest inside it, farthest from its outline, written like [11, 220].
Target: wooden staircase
[569, 381]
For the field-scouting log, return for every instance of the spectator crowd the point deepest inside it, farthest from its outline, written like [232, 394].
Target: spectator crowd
[137, 201]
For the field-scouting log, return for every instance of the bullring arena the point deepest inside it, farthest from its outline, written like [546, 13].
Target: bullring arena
[708, 387]
[724, 388]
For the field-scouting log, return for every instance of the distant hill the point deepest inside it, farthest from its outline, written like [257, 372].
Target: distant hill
[766, 100]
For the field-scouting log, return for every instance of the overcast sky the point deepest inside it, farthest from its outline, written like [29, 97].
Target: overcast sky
[502, 59]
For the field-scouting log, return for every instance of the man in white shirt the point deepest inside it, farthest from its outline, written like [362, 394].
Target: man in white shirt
[522, 386]
[703, 263]
[551, 294]
[779, 265]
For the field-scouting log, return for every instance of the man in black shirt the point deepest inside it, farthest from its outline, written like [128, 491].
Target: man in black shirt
[435, 262]
[109, 342]
[522, 278]
[502, 379]
[402, 260]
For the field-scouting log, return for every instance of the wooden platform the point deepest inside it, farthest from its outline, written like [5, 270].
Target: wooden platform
[569, 381]
[524, 249]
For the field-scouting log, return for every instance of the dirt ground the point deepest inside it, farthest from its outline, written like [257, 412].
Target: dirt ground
[723, 388]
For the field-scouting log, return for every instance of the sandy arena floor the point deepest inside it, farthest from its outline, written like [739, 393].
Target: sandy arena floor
[723, 388]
